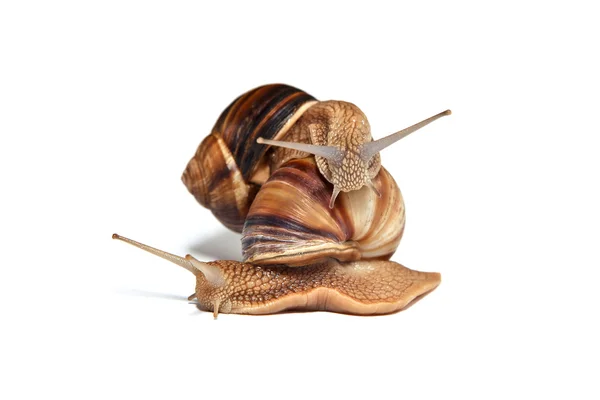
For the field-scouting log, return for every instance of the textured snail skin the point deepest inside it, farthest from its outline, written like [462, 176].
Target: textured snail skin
[290, 222]
[360, 287]
[339, 124]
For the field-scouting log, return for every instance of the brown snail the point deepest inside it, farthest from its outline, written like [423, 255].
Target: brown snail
[358, 287]
[319, 215]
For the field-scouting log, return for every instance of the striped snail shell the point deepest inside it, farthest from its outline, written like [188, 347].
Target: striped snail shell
[286, 209]
[290, 221]
[229, 166]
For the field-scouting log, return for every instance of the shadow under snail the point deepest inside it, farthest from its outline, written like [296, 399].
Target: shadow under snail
[320, 217]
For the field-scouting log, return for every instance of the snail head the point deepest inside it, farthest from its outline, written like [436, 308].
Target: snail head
[344, 150]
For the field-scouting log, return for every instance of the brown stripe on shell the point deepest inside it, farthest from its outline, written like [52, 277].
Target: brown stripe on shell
[214, 179]
[276, 230]
[360, 287]
[290, 221]
[267, 111]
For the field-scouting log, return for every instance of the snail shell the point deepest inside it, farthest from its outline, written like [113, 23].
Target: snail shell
[229, 166]
[290, 221]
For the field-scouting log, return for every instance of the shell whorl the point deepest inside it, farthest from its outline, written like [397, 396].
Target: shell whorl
[268, 112]
[216, 182]
[290, 221]
[223, 174]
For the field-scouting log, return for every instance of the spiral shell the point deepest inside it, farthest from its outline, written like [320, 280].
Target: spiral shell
[290, 221]
[216, 182]
[229, 166]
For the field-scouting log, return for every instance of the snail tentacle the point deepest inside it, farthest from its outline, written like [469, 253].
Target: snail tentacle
[370, 149]
[328, 152]
[181, 261]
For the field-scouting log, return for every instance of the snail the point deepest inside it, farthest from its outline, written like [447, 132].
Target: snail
[288, 204]
[320, 217]
[358, 287]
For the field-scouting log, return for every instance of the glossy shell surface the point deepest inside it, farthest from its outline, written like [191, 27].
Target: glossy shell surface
[229, 166]
[290, 221]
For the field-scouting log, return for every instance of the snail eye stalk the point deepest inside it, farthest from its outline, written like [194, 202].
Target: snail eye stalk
[374, 147]
[328, 152]
[334, 196]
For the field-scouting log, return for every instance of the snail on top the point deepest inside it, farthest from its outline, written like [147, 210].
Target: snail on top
[338, 134]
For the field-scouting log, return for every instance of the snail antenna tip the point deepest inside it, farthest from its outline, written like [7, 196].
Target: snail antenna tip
[182, 262]
[334, 195]
[216, 309]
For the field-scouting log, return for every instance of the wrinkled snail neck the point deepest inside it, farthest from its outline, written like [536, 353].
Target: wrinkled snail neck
[335, 155]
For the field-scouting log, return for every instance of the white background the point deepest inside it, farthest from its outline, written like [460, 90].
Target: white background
[103, 103]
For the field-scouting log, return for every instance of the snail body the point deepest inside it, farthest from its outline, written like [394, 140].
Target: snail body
[358, 287]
